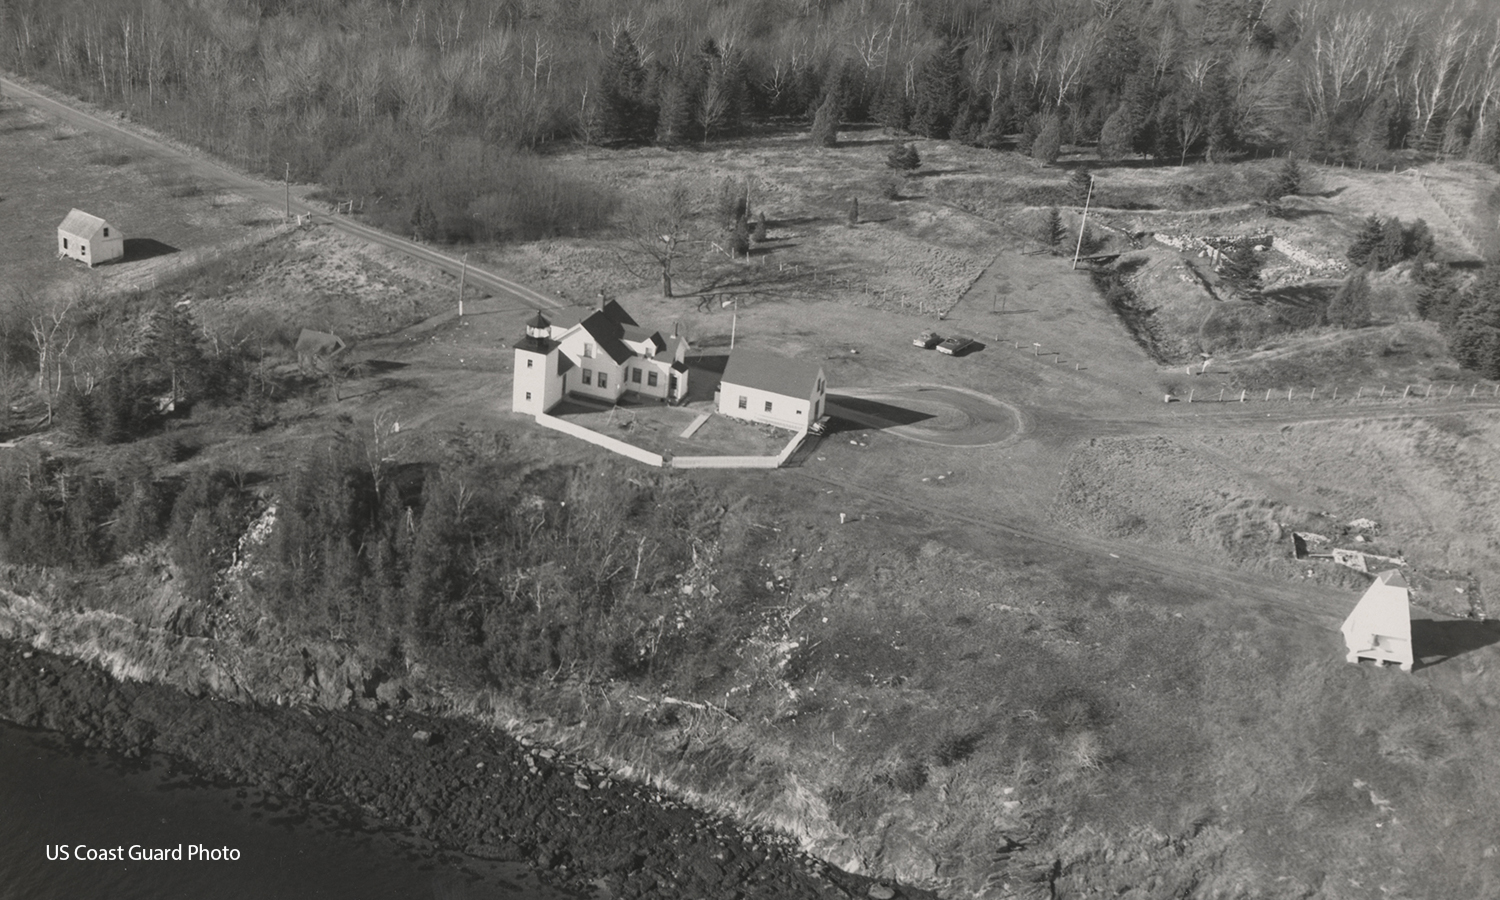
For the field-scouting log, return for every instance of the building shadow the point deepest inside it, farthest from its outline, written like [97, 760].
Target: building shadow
[704, 374]
[1436, 641]
[145, 248]
[858, 413]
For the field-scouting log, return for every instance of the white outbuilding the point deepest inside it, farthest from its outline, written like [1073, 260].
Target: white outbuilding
[89, 239]
[1380, 626]
[772, 389]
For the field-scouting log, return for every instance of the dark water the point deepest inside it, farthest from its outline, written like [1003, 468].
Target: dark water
[52, 794]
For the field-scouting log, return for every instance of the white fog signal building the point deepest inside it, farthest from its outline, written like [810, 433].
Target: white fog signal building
[89, 239]
[601, 356]
[1379, 628]
[774, 390]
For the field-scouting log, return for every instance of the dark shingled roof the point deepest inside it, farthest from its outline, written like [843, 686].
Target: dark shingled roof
[771, 372]
[607, 333]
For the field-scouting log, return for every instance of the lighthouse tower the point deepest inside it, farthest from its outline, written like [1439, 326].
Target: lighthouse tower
[541, 371]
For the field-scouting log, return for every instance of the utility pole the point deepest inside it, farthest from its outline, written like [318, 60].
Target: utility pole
[288, 190]
[462, 274]
[734, 322]
[1084, 224]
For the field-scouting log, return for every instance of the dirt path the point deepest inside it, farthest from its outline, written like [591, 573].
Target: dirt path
[269, 193]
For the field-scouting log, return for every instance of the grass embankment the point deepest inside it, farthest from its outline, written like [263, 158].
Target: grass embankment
[953, 721]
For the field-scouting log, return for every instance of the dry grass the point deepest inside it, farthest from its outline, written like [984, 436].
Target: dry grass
[51, 168]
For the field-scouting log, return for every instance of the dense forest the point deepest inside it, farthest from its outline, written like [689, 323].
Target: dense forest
[395, 100]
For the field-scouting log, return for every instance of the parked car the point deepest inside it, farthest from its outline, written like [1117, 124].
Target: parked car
[955, 345]
[926, 340]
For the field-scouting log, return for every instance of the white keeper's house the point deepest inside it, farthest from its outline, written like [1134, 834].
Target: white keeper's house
[89, 239]
[774, 390]
[601, 356]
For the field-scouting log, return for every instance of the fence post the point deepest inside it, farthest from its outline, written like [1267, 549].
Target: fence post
[1472, 390]
[1335, 393]
[1268, 395]
[1242, 396]
[1405, 392]
[1190, 395]
[1289, 395]
[1358, 393]
[1450, 391]
[1221, 395]
[1428, 395]
[1382, 392]
[1313, 396]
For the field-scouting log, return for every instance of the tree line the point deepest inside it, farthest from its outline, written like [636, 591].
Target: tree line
[368, 96]
[467, 561]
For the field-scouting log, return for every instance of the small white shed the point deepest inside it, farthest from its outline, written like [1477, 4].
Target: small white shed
[1379, 628]
[89, 239]
[771, 389]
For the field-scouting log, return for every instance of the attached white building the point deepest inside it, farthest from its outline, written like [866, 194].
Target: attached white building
[775, 390]
[89, 239]
[1379, 628]
[601, 356]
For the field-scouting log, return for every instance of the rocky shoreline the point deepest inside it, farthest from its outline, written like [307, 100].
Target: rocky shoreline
[451, 782]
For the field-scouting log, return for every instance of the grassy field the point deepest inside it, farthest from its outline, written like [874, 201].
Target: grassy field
[1078, 659]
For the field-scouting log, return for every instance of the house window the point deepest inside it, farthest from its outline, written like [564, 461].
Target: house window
[744, 402]
[588, 351]
[528, 395]
[603, 380]
[65, 243]
[635, 376]
[106, 232]
[84, 249]
[768, 406]
[528, 363]
[588, 376]
[651, 379]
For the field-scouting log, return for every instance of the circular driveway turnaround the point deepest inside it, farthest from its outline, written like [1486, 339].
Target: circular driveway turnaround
[929, 414]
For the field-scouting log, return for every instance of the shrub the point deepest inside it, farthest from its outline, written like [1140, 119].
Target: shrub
[825, 127]
[904, 158]
[1350, 306]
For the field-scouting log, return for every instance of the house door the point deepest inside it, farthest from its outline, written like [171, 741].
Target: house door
[672, 387]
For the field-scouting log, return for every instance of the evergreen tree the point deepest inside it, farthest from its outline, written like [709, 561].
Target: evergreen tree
[892, 107]
[939, 90]
[624, 114]
[1117, 137]
[1052, 228]
[854, 211]
[903, 157]
[675, 111]
[760, 227]
[1047, 145]
[1286, 180]
[1080, 183]
[1220, 139]
[825, 127]
[1392, 246]
[1475, 339]
[1350, 306]
[1239, 268]
[1366, 242]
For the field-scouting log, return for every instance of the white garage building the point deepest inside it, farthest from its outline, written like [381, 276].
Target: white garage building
[772, 389]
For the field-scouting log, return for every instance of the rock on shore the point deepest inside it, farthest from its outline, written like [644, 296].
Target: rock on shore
[448, 781]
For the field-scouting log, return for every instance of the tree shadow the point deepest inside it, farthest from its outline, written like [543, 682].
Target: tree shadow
[381, 366]
[1436, 641]
[145, 248]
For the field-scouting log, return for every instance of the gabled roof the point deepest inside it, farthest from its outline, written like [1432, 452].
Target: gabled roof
[771, 372]
[1385, 609]
[668, 351]
[83, 225]
[608, 333]
[615, 311]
